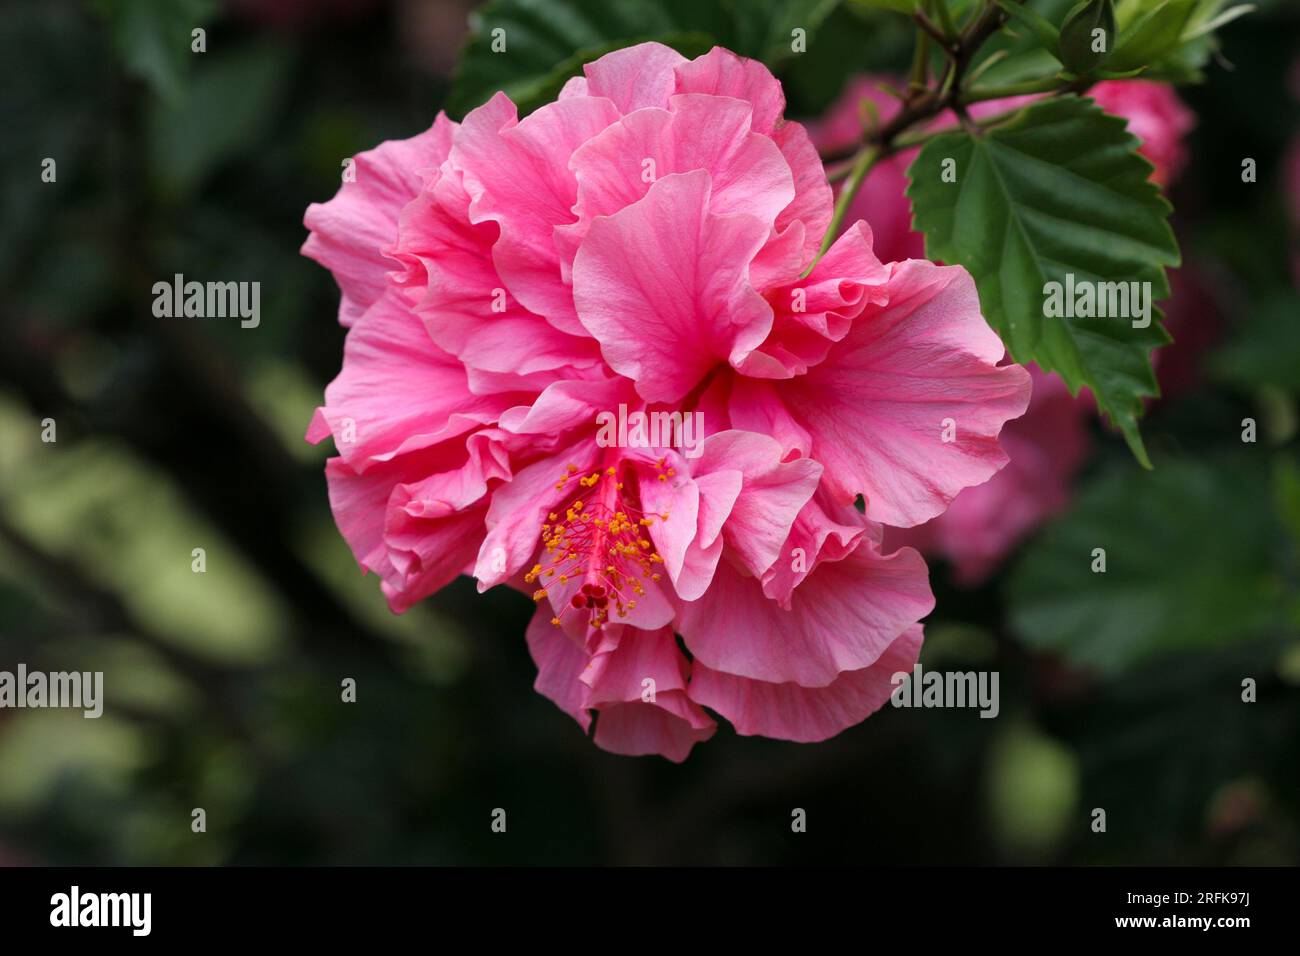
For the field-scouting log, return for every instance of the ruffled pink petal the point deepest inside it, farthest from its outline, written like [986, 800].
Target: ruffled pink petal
[635, 665]
[560, 663]
[634, 77]
[351, 233]
[564, 406]
[1046, 447]
[574, 86]
[629, 722]
[738, 492]
[421, 556]
[821, 532]
[451, 277]
[877, 407]
[806, 714]
[722, 73]
[690, 541]
[517, 175]
[639, 688]
[433, 527]
[663, 286]
[754, 405]
[397, 391]
[748, 173]
[804, 220]
[669, 727]
[814, 202]
[814, 312]
[842, 618]
[772, 494]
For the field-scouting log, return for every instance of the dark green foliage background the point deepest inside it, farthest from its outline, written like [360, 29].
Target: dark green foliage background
[1120, 692]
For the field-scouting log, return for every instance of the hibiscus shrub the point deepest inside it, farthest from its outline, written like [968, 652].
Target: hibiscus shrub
[731, 335]
[656, 235]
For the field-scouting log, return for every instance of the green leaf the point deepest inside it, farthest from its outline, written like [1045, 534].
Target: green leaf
[1039, 26]
[1057, 190]
[153, 38]
[547, 41]
[1204, 580]
[1155, 31]
[1077, 48]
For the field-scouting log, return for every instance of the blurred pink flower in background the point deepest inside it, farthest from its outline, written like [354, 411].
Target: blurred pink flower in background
[1194, 317]
[1049, 444]
[642, 243]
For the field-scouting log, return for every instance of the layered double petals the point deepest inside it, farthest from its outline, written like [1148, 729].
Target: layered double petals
[649, 243]
[1046, 448]
[1047, 445]
[906, 408]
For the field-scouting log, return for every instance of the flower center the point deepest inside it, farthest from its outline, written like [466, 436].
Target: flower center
[599, 538]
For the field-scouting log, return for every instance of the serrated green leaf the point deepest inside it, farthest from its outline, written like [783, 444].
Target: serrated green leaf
[1204, 580]
[1058, 189]
[548, 41]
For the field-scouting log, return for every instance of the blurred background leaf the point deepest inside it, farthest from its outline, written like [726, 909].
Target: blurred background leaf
[154, 38]
[1169, 586]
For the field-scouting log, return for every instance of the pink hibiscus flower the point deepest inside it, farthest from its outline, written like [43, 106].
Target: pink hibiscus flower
[1048, 445]
[640, 246]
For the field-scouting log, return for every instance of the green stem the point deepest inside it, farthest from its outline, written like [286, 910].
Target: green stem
[921, 61]
[866, 159]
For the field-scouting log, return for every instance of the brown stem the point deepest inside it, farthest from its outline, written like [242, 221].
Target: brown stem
[922, 105]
